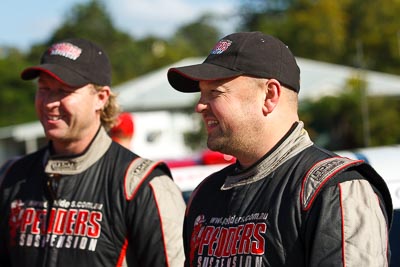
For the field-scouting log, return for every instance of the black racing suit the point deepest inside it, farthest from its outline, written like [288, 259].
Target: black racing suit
[298, 206]
[106, 207]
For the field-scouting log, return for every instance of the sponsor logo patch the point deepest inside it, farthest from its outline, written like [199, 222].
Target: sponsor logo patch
[65, 50]
[228, 241]
[221, 46]
[69, 224]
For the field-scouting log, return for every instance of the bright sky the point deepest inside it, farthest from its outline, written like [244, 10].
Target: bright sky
[25, 22]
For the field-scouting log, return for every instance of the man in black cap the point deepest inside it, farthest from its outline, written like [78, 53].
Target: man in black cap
[84, 200]
[285, 202]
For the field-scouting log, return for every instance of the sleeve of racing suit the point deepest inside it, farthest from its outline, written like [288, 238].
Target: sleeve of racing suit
[4, 258]
[185, 241]
[347, 227]
[158, 223]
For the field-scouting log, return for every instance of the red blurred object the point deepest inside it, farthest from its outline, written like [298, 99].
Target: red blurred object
[123, 128]
[181, 163]
[209, 157]
[206, 157]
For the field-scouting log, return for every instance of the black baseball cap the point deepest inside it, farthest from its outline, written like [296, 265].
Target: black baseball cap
[243, 53]
[75, 62]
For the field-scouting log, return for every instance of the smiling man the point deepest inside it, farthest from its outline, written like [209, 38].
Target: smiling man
[84, 200]
[286, 201]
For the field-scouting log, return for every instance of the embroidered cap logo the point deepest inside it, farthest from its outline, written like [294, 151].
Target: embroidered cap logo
[65, 50]
[221, 46]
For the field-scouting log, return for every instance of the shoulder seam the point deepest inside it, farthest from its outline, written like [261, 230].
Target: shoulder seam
[319, 174]
[135, 175]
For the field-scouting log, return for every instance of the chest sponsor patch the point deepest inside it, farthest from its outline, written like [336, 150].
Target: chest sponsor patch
[68, 224]
[231, 241]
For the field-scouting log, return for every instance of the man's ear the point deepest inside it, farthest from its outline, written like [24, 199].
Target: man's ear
[272, 94]
[102, 97]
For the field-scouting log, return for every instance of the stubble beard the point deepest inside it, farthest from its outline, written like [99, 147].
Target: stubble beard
[222, 141]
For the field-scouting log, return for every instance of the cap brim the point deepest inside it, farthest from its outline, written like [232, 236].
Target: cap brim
[186, 79]
[60, 73]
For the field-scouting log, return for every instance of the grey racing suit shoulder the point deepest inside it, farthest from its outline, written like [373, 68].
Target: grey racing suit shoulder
[169, 202]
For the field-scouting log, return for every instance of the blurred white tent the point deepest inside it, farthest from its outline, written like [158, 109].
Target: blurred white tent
[153, 92]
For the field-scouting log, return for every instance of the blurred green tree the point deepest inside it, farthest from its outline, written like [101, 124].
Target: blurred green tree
[339, 122]
[332, 31]
[16, 95]
[92, 21]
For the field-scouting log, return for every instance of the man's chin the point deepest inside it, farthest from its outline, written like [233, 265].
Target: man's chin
[54, 134]
[214, 145]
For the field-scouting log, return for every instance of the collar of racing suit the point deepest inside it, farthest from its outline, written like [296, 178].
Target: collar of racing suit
[291, 144]
[77, 164]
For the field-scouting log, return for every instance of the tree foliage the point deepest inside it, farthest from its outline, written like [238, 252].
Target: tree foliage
[91, 21]
[350, 32]
[342, 121]
[15, 93]
[198, 36]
